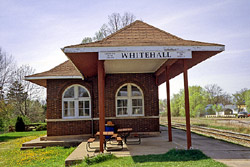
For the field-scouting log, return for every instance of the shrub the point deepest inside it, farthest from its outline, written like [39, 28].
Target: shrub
[99, 158]
[20, 126]
[41, 127]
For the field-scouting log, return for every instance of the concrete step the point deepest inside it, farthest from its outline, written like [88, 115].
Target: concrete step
[38, 142]
[31, 147]
[77, 156]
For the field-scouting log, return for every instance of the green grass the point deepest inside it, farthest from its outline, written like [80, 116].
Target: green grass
[173, 158]
[14, 135]
[12, 156]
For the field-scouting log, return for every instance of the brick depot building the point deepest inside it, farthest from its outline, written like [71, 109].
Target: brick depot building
[116, 79]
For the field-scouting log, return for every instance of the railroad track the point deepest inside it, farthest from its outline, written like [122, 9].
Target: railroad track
[239, 138]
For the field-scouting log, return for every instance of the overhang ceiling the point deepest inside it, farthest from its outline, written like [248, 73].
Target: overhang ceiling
[132, 66]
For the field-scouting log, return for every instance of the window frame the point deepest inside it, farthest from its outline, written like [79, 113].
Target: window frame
[76, 99]
[129, 99]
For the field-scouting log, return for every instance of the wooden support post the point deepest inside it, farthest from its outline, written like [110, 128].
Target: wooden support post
[101, 85]
[168, 105]
[187, 110]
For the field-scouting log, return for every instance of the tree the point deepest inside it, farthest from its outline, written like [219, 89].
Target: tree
[247, 100]
[6, 66]
[162, 105]
[216, 95]
[177, 104]
[240, 98]
[115, 23]
[87, 40]
[17, 96]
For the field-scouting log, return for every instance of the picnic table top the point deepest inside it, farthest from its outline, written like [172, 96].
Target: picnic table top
[125, 130]
[106, 133]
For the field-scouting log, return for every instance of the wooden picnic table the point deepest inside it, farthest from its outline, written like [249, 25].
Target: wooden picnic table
[125, 132]
[106, 133]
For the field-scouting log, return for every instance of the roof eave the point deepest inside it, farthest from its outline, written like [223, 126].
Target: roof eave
[27, 78]
[144, 48]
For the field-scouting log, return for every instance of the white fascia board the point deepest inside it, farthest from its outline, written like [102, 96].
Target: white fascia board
[54, 77]
[144, 48]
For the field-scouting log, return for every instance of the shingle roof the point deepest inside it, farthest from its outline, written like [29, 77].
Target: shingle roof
[139, 33]
[65, 69]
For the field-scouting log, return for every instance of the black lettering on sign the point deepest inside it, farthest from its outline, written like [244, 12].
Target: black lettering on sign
[124, 55]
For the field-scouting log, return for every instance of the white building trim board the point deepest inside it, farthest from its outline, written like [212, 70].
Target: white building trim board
[143, 48]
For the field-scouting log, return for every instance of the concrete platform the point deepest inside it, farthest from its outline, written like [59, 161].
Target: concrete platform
[230, 154]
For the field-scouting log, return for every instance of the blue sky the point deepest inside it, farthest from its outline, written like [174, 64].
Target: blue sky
[34, 31]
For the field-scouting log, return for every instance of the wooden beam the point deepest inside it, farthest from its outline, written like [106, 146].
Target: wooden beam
[168, 104]
[187, 110]
[169, 62]
[101, 86]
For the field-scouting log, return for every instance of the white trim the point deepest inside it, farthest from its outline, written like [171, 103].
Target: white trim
[143, 48]
[54, 77]
[135, 55]
[76, 100]
[95, 119]
[129, 99]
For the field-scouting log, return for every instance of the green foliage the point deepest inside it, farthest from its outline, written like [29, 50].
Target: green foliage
[247, 100]
[99, 158]
[20, 126]
[240, 98]
[197, 102]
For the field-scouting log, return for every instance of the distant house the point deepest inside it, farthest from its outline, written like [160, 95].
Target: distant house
[228, 109]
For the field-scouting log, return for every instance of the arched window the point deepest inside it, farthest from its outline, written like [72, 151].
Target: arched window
[129, 101]
[76, 102]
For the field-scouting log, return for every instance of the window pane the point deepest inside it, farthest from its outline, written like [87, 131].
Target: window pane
[80, 104]
[65, 112]
[122, 103]
[82, 92]
[72, 112]
[69, 93]
[135, 91]
[81, 112]
[123, 91]
[86, 104]
[125, 111]
[65, 106]
[137, 102]
[71, 105]
[119, 111]
[86, 112]
[65, 103]
[137, 110]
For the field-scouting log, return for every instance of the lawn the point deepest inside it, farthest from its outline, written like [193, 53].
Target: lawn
[11, 155]
[180, 158]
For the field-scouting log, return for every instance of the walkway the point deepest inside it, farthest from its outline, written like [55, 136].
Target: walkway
[227, 153]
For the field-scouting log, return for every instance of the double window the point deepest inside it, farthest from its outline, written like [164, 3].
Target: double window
[129, 101]
[76, 102]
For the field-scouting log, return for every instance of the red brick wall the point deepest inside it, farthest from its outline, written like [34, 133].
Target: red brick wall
[146, 82]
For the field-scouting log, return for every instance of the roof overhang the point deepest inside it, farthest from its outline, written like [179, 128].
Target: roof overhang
[143, 48]
[42, 81]
[85, 59]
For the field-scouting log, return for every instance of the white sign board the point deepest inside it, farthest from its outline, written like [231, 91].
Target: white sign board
[145, 55]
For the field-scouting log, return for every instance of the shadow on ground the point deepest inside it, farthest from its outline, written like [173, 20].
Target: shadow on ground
[172, 155]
